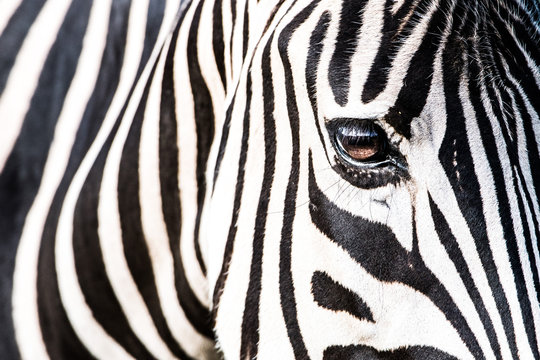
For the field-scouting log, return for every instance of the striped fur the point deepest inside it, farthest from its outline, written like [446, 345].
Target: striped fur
[170, 184]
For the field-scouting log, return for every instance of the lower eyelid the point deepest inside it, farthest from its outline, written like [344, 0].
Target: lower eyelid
[392, 170]
[372, 177]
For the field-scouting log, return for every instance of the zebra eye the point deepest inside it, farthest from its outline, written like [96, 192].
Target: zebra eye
[361, 141]
[364, 156]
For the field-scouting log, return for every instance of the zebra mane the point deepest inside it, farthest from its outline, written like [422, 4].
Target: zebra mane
[494, 32]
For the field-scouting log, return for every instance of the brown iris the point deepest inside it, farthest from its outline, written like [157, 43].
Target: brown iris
[361, 141]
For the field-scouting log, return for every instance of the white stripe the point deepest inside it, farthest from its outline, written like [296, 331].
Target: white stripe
[528, 271]
[439, 187]
[229, 318]
[231, 308]
[522, 339]
[25, 312]
[531, 62]
[237, 41]
[155, 231]
[523, 154]
[111, 241]
[207, 59]
[88, 330]
[24, 77]
[273, 340]
[359, 72]
[397, 5]
[368, 40]
[495, 231]
[490, 206]
[98, 342]
[187, 144]
[194, 344]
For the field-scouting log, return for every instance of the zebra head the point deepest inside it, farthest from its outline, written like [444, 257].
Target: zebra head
[374, 185]
[311, 179]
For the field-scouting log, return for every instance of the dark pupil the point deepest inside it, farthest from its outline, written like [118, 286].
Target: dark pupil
[362, 143]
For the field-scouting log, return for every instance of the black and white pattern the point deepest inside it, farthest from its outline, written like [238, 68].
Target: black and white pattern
[322, 179]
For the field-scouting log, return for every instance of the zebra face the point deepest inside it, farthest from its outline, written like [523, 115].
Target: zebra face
[278, 179]
[375, 208]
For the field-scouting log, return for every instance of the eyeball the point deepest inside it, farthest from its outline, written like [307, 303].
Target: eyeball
[361, 141]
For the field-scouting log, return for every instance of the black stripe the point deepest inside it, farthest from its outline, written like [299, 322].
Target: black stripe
[410, 15]
[23, 171]
[395, 32]
[227, 122]
[59, 336]
[217, 40]
[197, 314]
[506, 47]
[91, 272]
[312, 68]
[413, 95]
[456, 256]
[339, 73]
[385, 259]
[405, 9]
[154, 20]
[396, 29]
[273, 13]
[534, 163]
[532, 145]
[169, 164]
[223, 141]
[505, 213]
[510, 140]
[239, 188]
[455, 147]
[231, 35]
[523, 294]
[338, 352]
[90, 268]
[331, 295]
[534, 7]
[109, 75]
[245, 37]
[204, 122]
[60, 339]
[15, 32]
[507, 122]
[250, 321]
[233, 16]
[516, 26]
[388, 48]
[168, 159]
[286, 288]
[135, 248]
[526, 83]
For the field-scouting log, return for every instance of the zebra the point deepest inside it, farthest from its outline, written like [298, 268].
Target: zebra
[280, 179]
